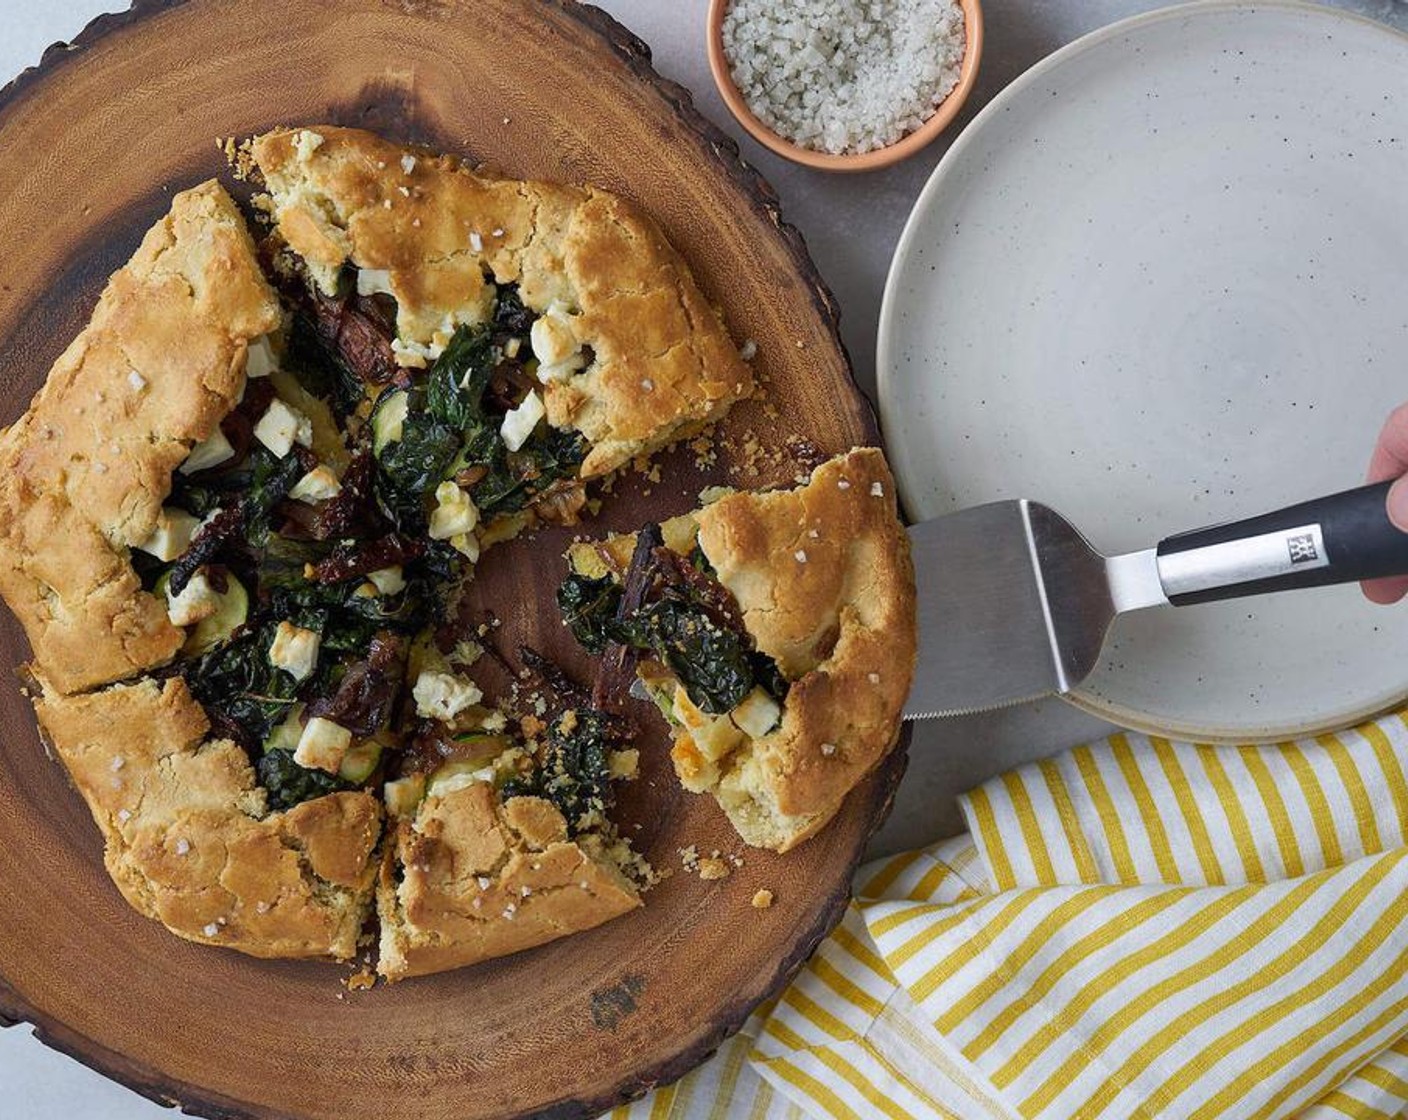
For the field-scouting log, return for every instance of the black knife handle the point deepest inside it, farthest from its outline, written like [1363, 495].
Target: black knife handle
[1336, 539]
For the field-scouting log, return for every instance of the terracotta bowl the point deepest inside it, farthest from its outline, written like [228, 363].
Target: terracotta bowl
[903, 148]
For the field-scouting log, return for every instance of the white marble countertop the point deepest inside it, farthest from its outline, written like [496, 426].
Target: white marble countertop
[851, 224]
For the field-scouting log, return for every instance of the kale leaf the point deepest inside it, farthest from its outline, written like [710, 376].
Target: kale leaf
[416, 463]
[456, 382]
[589, 608]
[271, 479]
[346, 619]
[242, 692]
[575, 771]
[290, 784]
[514, 479]
[511, 317]
[711, 661]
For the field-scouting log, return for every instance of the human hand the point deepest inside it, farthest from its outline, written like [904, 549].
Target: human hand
[1390, 461]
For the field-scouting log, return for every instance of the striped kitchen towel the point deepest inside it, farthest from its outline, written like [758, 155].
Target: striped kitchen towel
[1135, 929]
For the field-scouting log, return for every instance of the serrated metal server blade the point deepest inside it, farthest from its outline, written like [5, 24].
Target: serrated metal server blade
[1013, 605]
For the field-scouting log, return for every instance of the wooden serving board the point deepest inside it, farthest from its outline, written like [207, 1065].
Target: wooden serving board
[92, 143]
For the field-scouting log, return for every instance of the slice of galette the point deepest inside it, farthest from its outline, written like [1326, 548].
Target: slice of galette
[776, 633]
[604, 347]
[499, 834]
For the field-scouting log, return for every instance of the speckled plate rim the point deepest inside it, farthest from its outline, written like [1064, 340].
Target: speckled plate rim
[1084, 699]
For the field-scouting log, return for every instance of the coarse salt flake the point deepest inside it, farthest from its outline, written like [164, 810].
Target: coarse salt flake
[840, 77]
[183, 846]
[877, 490]
[801, 556]
[408, 163]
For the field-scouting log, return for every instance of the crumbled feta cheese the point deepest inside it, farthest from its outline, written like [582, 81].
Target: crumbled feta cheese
[171, 535]
[404, 795]
[306, 142]
[295, 650]
[476, 242]
[373, 281]
[388, 581]
[136, 380]
[877, 490]
[758, 714]
[454, 513]
[281, 427]
[408, 163]
[209, 452]
[197, 600]
[552, 335]
[467, 545]
[519, 422]
[560, 371]
[415, 355]
[322, 745]
[443, 695]
[259, 358]
[318, 485]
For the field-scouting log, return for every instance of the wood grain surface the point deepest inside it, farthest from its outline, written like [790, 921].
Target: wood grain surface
[92, 144]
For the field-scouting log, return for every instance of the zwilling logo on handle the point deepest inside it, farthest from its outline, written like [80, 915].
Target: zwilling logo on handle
[1247, 560]
[1302, 548]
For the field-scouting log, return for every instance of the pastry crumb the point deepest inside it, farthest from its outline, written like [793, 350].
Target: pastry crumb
[713, 868]
[361, 981]
[763, 899]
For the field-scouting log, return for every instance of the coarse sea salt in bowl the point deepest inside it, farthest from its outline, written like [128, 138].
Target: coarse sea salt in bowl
[845, 85]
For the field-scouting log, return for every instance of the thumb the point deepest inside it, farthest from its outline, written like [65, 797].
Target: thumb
[1398, 503]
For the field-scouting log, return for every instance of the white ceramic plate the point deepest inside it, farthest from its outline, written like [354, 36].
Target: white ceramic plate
[1159, 282]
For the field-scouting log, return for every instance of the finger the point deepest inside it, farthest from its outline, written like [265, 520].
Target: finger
[1398, 504]
[1385, 591]
[1390, 458]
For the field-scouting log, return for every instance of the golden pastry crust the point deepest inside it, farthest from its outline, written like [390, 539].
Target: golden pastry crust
[84, 471]
[472, 878]
[189, 840]
[661, 362]
[825, 582]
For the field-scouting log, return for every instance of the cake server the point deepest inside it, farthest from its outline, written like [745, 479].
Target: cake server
[1014, 603]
